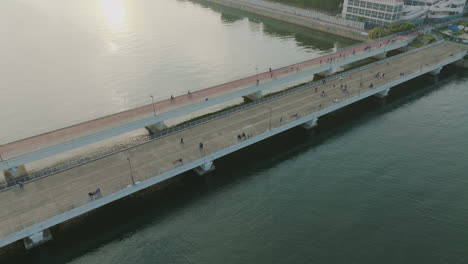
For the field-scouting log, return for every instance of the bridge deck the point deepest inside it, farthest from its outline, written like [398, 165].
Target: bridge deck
[42, 199]
[119, 120]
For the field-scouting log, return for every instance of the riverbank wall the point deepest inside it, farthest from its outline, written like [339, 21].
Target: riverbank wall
[288, 17]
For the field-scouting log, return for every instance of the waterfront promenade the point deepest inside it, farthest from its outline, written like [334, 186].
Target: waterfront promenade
[48, 201]
[95, 130]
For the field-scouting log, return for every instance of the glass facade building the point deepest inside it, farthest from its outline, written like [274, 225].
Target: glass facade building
[384, 12]
[373, 12]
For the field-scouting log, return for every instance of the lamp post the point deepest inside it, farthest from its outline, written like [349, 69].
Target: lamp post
[131, 170]
[256, 74]
[154, 109]
[271, 113]
[360, 85]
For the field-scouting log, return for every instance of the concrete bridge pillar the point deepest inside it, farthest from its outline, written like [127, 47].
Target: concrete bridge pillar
[252, 97]
[15, 172]
[332, 70]
[435, 72]
[462, 63]
[205, 168]
[310, 124]
[153, 129]
[37, 239]
[383, 94]
[380, 56]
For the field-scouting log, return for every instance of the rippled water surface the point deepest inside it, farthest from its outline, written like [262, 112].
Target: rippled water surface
[65, 62]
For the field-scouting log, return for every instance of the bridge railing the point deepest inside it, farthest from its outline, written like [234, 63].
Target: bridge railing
[172, 130]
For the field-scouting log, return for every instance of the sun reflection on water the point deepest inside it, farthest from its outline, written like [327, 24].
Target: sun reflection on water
[114, 13]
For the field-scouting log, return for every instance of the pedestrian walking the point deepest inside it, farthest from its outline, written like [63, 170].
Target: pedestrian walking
[200, 146]
[181, 140]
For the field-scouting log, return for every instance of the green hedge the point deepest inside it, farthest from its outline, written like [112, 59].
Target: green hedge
[423, 40]
[379, 32]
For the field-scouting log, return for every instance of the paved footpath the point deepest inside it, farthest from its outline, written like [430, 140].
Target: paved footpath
[47, 197]
[23, 146]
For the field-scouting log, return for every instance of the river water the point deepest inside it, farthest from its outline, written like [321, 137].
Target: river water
[71, 61]
[383, 181]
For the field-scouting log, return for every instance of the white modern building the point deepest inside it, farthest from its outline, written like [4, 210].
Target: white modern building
[420, 10]
[373, 12]
[384, 12]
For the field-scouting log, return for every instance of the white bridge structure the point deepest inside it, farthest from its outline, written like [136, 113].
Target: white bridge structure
[30, 209]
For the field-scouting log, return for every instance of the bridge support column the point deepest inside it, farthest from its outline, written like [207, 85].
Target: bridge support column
[153, 129]
[383, 94]
[37, 239]
[12, 173]
[310, 124]
[435, 72]
[329, 72]
[462, 63]
[380, 56]
[205, 168]
[254, 96]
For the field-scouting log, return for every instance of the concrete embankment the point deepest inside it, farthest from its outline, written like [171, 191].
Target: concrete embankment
[336, 29]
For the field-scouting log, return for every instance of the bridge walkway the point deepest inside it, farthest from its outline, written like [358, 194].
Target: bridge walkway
[56, 198]
[44, 145]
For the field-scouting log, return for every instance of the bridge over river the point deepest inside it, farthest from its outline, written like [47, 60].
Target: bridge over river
[54, 142]
[28, 211]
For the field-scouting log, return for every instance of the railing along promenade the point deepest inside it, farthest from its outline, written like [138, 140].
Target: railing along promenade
[51, 143]
[48, 201]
